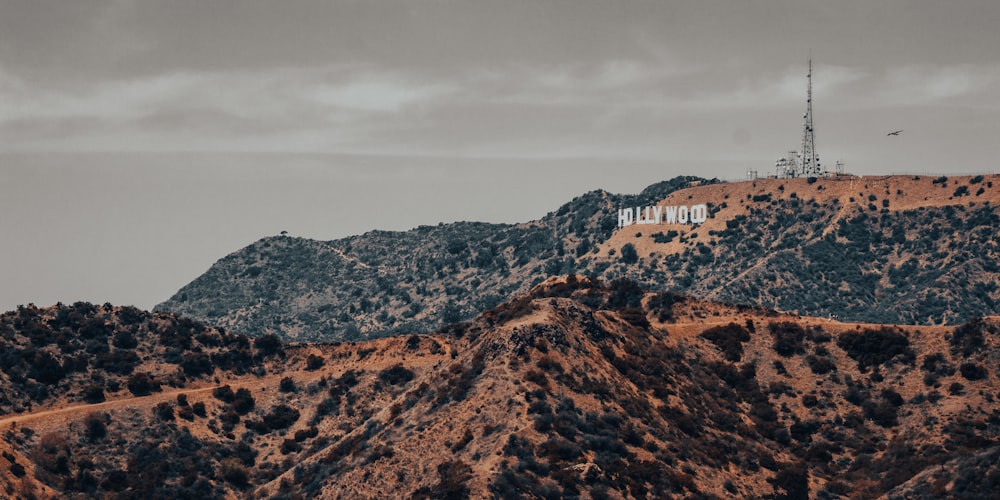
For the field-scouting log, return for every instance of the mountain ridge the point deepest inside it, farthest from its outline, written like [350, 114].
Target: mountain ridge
[853, 247]
[397, 282]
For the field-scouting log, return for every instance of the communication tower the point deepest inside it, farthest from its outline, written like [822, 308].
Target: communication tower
[810, 160]
[804, 162]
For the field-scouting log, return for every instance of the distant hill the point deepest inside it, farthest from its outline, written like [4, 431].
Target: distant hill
[386, 283]
[897, 249]
[578, 388]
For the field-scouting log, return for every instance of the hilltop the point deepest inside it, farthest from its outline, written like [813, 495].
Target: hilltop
[576, 388]
[390, 283]
[898, 249]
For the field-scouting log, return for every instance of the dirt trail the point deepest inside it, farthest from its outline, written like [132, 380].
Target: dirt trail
[62, 414]
[106, 405]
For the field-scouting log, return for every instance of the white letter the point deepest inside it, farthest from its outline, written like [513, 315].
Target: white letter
[699, 214]
[671, 215]
[657, 213]
[682, 214]
[624, 217]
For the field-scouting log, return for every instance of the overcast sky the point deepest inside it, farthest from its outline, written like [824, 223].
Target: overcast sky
[140, 141]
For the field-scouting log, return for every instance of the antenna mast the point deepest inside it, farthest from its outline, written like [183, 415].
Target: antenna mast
[810, 160]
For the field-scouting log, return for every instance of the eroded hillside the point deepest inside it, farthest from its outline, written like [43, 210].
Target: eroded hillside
[578, 388]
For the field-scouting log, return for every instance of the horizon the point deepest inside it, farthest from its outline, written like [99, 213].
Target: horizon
[146, 140]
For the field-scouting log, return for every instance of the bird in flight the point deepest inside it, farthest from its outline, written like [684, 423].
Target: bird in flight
[894, 133]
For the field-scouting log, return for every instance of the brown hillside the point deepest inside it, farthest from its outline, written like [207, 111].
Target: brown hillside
[899, 249]
[577, 389]
[848, 193]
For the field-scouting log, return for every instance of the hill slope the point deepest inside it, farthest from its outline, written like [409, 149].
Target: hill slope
[898, 249]
[384, 283]
[890, 250]
[577, 388]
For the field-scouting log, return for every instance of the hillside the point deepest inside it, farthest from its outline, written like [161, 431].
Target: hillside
[389, 283]
[578, 388]
[898, 249]
[901, 249]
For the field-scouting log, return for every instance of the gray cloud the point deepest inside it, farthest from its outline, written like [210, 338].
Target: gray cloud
[182, 129]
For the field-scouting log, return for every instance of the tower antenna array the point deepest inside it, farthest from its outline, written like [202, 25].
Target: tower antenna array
[810, 160]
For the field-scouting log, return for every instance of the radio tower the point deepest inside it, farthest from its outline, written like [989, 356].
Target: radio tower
[810, 160]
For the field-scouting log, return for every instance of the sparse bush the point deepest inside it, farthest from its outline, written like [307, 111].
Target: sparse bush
[93, 393]
[280, 417]
[968, 338]
[875, 347]
[413, 342]
[466, 439]
[186, 412]
[820, 365]
[290, 446]
[452, 483]
[304, 434]
[629, 255]
[243, 401]
[729, 339]
[314, 362]
[779, 367]
[972, 371]
[141, 384]
[118, 361]
[268, 345]
[199, 409]
[196, 364]
[224, 393]
[663, 304]
[791, 482]
[396, 375]
[536, 377]
[549, 364]
[95, 427]
[788, 338]
[234, 472]
[53, 453]
[45, 368]
[287, 385]
[164, 411]
[882, 412]
[624, 293]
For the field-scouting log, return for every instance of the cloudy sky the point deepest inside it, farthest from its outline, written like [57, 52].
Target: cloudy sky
[140, 141]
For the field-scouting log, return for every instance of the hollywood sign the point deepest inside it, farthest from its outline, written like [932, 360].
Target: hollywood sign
[695, 214]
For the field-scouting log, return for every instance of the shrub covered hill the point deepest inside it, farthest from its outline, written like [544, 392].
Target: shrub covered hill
[913, 250]
[576, 389]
